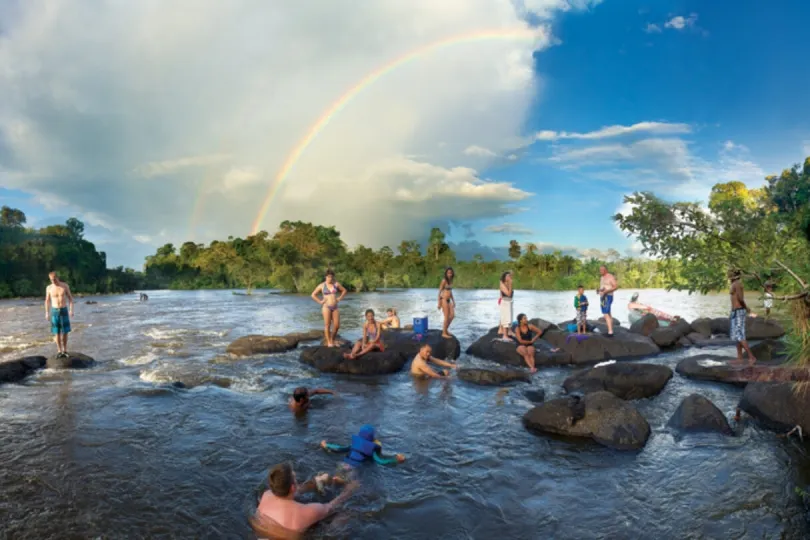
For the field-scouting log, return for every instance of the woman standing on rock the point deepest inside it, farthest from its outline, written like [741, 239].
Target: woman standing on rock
[447, 304]
[505, 303]
[329, 290]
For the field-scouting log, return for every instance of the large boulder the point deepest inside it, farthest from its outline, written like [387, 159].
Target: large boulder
[769, 350]
[702, 326]
[309, 335]
[778, 406]
[760, 328]
[257, 344]
[71, 361]
[331, 360]
[623, 380]
[600, 416]
[16, 370]
[696, 413]
[719, 341]
[720, 325]
[709, 367]
[493, 377]
[645, 325]
[490, 347]
[665, 337]
[409, 343]
[595, 348]
[535, 395]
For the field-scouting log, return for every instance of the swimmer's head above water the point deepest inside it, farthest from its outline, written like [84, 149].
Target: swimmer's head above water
[425, 351]
[301, 394]
[282, 480]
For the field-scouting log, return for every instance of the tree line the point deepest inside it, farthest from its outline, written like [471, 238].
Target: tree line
[27, 255]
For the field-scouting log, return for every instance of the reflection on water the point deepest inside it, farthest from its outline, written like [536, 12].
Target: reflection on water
[116, 452]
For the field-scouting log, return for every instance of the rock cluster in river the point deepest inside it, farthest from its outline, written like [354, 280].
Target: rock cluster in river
[258, 344]
[17, 370]
[623, 380]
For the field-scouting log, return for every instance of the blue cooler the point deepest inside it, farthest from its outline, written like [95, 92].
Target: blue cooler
[420, 325]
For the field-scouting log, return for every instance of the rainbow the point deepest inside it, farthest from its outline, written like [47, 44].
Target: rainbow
[365, 82]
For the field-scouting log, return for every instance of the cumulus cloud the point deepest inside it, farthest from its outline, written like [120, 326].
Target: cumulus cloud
[680, 22]
[177, 117]
[479, 151]
[652, 29]
[509, 229]
[616, 131]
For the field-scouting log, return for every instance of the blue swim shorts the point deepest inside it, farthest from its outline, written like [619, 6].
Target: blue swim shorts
[60, 320]
[605, 303]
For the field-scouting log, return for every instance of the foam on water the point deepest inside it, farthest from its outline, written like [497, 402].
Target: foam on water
[140, 359]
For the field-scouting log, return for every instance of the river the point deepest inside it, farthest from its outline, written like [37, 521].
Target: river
[110, 453]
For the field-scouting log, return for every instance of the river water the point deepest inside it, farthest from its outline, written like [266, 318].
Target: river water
[111, 453]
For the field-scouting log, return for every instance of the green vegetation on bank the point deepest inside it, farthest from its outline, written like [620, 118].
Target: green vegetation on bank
[27, 255]
[296, 257]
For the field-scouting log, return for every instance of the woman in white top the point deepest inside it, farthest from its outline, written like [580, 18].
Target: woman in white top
[505, 302]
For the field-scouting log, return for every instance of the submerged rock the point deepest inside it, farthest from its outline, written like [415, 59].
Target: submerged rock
[600, 416]
[696, 414]
[331, 360]
[778, 406]
[17, 370]
[536, 395]
[71, 361]
[623, 380]
[493, 377]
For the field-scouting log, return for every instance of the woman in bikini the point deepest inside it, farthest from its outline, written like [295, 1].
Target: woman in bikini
[391, 321]
[371, 340]
[329, 289]
[447, 304]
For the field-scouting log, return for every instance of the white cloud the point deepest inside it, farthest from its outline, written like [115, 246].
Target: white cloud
[652, 29]
[679, 22]
[479, 151]
[805, 150]
[509, 228]
[616, 131]
[142, 238]
[188, 94]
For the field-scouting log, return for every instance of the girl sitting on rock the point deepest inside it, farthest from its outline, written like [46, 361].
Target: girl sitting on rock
[525, 335]
[371, 340]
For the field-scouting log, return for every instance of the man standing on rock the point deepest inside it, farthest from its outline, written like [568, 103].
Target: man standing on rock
[739, 311]
[607, 286]
[57, 298]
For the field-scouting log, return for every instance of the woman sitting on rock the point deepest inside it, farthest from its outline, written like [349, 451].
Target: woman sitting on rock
[371, 340]
[329, 290]
[391, 321]
[525, 335]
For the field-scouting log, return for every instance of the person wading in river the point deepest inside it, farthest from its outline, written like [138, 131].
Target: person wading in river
[279, 515]
[57, 299]
[739, 311]
[299, 402]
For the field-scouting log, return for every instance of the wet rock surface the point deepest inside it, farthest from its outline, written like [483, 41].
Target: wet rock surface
[71, 361]
[493, 377]
[17, 370]
[697, 414]
[623, 380]
[778, 406]
[331, 360]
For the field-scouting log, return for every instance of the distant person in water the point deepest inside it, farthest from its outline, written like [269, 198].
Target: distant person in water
[363, 447]
[299, 402]
[607, 286]
[143, 297]
[768, 302]
[371, 340]
[420, 367]
[739, 312]
[581, 305]
[525, 335]
[642, 309]
[332, 293]
[57, 299]
[279, 515]
[391, 321]
[506, 306]
[447, 303]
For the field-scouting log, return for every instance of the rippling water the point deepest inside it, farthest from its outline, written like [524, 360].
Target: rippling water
[113, 453]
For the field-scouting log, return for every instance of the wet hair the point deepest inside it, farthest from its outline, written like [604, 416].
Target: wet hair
[300, 394]
[369, 311]
[503, 276]
[281, 479]
[449, 278]
[520, 317]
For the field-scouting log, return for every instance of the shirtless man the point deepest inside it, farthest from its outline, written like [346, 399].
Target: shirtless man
[420, 367]
[57, 298]
[607, 286]
[279, 515]
[299, 402]
[739, 312]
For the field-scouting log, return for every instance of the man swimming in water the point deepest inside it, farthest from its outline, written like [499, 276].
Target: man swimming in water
[57, 299]
[279, 515]
[420, 367]
[299, 402]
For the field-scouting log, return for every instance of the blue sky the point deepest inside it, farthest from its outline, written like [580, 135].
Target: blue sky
[163, 128]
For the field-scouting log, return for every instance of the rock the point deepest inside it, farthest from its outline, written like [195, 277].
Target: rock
[537, 395]
[407, 343]
[703, 327]
[720, 341]
[339, 341]
[71, 361]
[707, 367]
[720, 325]
[330, 360]
[257, 344]
[761, 328]
[493, 377]
[594, 348]
[309, 335]
[490, 348]
[645, 325]
[696, 413]
[91, 302]
[682, 327]
[616, 322]
[665, 336]
[607, 420]
[623, 380]
[16, 370]
[769, 350]
[694, 337]
[684, 342]
[778, 406]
